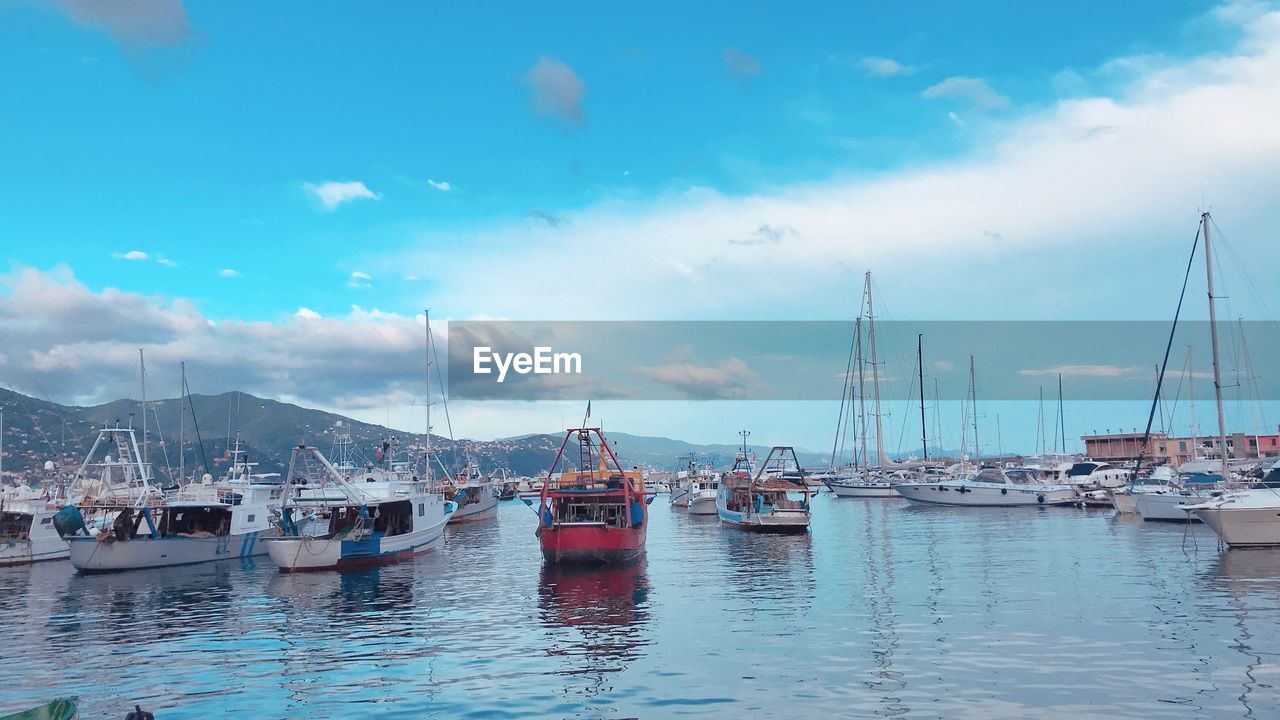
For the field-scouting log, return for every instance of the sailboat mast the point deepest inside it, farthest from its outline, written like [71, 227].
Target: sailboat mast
[142, 378]
[182, 424]
[973, 402]
[924, 434]
[1213, 338]
[875, 373]
[862, 398]
[1062, 420]
[426, 317]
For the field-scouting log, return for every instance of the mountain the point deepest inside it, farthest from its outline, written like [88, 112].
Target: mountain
[37, 431]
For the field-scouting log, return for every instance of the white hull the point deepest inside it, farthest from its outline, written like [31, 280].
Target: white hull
[484, 508]
[702, 504]
[316, 553]
[960, 494]
[41, 543]
[862, 490]
[1164, 506]
[680, 498]
[777, 520]
[1123, 502]
[1243, 527]
[90, 555]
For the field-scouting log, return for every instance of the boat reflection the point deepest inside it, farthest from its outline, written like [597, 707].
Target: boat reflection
[1250, 580]
[372, 591]
[774, 573]
[597, 620]
[163, 603]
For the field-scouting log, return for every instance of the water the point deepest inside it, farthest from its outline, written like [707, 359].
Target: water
[882, 610]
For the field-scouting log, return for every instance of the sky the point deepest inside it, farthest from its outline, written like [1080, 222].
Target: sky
[275, 193]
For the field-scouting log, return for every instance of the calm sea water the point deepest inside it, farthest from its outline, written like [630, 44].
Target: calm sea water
[883, 609]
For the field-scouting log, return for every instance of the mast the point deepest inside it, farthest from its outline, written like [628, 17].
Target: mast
[426, 316]
[924, 434]
[1191, 390]
[973, 402]
[182, 424]
[875, 373]
[1041, 442]
[862, 399]
[1, 443]
[1213, 338]
[1062, 420]
[142, 377]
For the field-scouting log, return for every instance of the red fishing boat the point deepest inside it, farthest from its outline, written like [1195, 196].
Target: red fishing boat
[597, 513]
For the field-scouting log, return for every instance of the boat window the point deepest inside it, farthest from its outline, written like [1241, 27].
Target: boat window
[422, 509]
[251, 518]
[1021, 477]
[1081, 469]
[990, 475]
[46, 521]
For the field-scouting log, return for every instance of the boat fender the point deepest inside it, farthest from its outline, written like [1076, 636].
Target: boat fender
[637, 514]
[1004, 491]
[139, 714]
[1040, 498]
[546, 517]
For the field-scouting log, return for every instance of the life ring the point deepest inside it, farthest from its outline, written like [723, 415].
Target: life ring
[1040, 498]
[1004, 491]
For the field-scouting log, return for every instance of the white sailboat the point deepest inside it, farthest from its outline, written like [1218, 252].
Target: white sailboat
[989, 487]
[1242, 518]
[859, 480]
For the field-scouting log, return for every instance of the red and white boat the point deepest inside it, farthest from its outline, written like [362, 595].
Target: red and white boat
[597, 513]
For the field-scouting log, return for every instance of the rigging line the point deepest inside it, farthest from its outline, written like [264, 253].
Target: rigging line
[199, 440]
[840, 419]
[1146, 436]
[1260, 298]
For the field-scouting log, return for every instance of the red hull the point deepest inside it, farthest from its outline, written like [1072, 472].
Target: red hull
[591, 544]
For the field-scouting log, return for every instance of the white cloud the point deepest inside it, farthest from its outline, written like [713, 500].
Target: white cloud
[884, 67]
[162, 260]
[1087, 371]
[442, 186]
[360, 279]
[1119, 173]
[228, 273]
[152, 23]
[332, 194]
[557, 90]
[84, 344]
[955, 119]
[138, 255]
[974, 91]
[740, 63]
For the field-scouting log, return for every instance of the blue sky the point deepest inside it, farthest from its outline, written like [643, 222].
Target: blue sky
[715, 160]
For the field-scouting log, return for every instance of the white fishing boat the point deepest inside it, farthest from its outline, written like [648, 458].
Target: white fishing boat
[27, 532]
[702, 494]
[765, 502]
[991, 487]
[475, 494]
[679, 487]
[377, 519]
